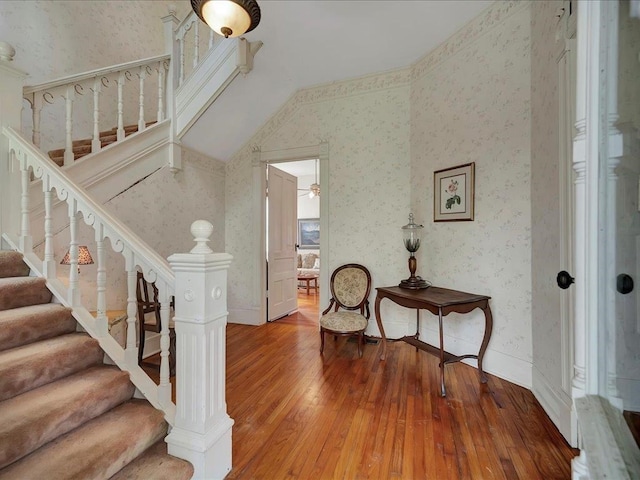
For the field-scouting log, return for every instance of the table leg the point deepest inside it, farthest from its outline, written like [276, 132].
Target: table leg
[488, 327]
[442, 389]
[417, 336]
[381, 328]
[308, 280]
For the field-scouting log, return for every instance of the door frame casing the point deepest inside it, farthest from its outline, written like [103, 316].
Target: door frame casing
[260, 160]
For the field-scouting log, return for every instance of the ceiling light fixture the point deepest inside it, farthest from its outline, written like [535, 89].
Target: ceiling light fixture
[230, 18]
[314, 188]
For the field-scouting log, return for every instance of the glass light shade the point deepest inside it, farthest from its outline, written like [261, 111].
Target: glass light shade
[226, 17]
[411, 235]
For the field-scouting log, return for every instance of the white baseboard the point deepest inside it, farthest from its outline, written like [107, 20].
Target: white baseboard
[245, 316]
[507, 367]
[555, 402]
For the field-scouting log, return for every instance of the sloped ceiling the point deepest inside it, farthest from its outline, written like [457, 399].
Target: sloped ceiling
[308, 43]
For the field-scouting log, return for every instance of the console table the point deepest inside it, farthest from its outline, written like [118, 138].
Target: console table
[440, 302]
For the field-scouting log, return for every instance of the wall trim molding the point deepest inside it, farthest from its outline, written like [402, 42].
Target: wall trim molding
[494, 15]
[557, 405]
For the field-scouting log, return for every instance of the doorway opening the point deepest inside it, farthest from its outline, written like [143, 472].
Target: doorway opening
[306, 232]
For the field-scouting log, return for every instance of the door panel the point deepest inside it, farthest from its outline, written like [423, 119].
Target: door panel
[281, 243]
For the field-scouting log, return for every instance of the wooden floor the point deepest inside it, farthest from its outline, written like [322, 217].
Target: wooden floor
[301, 415]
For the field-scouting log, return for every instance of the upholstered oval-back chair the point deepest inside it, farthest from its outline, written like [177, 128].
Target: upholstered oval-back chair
[350, 287]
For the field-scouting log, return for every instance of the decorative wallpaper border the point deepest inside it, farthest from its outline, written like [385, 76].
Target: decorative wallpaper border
[493, 16]
[356, 86]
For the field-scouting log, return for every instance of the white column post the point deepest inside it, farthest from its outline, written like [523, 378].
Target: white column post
[11, 84]
[202, 430]
[171, 47]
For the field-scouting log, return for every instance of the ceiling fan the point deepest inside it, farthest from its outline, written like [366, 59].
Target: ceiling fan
[314, 188]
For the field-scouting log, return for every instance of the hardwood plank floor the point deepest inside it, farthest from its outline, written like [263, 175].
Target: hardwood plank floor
[302, 415]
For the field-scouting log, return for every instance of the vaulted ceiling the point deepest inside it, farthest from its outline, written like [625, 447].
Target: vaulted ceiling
[312, 42]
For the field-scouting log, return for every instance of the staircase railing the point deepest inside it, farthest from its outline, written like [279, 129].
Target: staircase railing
[201, 430]
[109, 89]
[135, 93]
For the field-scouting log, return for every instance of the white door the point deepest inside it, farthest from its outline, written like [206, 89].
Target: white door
[282, 206]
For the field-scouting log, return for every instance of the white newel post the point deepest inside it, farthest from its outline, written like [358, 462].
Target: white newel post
[202, 430]
[11, 84]
[171, 47]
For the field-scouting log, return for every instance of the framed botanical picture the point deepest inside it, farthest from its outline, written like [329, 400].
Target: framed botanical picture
[453, 190]
[309, 233]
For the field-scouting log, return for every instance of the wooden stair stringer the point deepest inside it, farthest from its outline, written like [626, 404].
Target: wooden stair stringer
[107, 173]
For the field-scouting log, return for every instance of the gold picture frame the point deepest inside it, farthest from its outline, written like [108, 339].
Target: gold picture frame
[453, 193]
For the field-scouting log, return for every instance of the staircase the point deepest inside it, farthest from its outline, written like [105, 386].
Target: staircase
[83, 147]
[65, 413]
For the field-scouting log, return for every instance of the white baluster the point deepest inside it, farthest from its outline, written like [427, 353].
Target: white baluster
[165, 383]
[49, 264]
[142, 75]
[36, 116]
[120, 133]
[25, 227]
[74, 284]
[196, 46]
[131, 353]
[101, 284]
[161, 74]
[68, 152]
[96, 145]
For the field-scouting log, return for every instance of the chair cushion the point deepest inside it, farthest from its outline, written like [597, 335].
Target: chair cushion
[342, 321]
[350, 286]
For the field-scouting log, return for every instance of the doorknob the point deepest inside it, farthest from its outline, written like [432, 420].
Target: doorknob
[564, 280]
[624, 283]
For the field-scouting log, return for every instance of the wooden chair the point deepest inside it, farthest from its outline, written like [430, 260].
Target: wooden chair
[350, 288]
[149, 319]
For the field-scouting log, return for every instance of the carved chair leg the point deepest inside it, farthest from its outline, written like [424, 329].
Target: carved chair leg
[141, 344]
[172, 352]
[321, 340]
[360, 344]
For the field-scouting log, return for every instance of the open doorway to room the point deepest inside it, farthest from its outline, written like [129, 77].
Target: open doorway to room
[307, 261]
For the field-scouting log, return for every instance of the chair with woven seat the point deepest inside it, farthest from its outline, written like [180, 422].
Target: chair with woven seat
[149, 319]
[350, 287]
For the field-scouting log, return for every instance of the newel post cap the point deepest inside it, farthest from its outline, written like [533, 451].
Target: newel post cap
[7, 52]
[201, 231]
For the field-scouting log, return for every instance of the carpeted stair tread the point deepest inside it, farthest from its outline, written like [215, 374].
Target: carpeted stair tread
[82, 147]
[36, 417]
[11, 264]
[23, 325]
[18, 292]
[96, 450]
[156, 464]
[29, 366]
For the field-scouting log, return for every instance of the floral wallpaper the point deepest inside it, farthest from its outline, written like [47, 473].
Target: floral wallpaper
[366, 123]
[470, 102]
[546, 44]
[50, 44]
